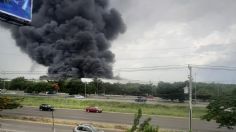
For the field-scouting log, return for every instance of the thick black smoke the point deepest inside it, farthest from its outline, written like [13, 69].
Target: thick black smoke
[72, 37]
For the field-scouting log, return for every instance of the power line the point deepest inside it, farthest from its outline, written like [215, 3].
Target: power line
[137, 69]
[154, 58]
[150, 67]
[220, 66]
[208, 67]
[162, 57]
[154, 68]
[151, 49]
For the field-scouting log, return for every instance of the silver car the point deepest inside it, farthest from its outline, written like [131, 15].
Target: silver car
[86, 128]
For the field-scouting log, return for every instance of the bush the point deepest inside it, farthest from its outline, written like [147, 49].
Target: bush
[143, 127]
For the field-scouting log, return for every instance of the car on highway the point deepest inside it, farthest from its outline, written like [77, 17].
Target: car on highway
[85, 128]
[79, 97]
[46, 107]
[141, 99]
[93, 109]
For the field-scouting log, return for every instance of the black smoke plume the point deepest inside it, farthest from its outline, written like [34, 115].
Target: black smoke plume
[71, 37]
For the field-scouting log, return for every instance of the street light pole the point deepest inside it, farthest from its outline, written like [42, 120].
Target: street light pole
[53, 126]
[195, 93]
[190, 97]
[85, 93]
[4, 84]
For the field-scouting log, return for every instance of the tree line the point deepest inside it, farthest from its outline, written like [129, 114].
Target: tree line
[165, 90]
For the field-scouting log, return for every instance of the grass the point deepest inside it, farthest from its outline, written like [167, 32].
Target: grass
[150, 109]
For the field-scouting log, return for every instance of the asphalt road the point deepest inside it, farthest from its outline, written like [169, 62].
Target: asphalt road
[163, 122]
[17, 126]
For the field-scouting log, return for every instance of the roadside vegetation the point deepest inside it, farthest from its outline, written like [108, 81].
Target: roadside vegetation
[168, 91]
[145, 126]
[223, 110]
[221, 97]
[7, 102]
[125, 107]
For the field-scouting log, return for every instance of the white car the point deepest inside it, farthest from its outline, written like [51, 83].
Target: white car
[79, 97]
[86, 128]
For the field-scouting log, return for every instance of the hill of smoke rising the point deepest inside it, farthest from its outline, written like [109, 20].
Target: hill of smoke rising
[71, 37]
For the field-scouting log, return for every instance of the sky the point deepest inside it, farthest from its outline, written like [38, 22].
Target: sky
[160, 33]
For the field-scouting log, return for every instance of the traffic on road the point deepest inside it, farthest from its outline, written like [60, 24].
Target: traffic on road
[118, 118]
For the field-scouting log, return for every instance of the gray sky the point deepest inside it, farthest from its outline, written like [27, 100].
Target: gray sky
[159, 33]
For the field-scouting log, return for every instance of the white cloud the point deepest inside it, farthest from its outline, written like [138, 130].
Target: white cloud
[175, 33]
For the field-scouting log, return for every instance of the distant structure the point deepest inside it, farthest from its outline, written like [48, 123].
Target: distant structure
[112, 81]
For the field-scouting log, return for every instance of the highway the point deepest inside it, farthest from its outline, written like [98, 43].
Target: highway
[27, 126]
[17, 126]
[163, 122]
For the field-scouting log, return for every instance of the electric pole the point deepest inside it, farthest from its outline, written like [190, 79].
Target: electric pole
[195, 93]
[97, 86]
[190, 97]
[85, 89]
[4, 84]
[85, 94]
[53, 126]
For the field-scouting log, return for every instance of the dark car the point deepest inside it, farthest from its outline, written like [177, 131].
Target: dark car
[141, 99]
[93, 109]
[46, 107]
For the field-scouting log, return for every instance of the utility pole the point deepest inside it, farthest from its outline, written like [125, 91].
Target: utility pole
[195, 93]
[218, 91]
[4, 84]
[85, 93]
[97, 86]
[190, 97]
[53, 126]
[104, 89]
[85, 89]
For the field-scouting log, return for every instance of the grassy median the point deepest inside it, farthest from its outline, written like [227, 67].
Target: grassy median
[151, 109]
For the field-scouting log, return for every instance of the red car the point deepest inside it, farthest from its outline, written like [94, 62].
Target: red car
[93, 109]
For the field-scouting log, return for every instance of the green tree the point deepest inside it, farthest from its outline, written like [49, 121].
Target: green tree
[29, 88]
[1, 83]
[9, 102]
[74, 86]
[143, 127]
[223, 110]
[37, 87]
[18, 83]
[145, 89]
[105, 88]
[42, 87]
[136, 120]
[171, 91]
[97, 84]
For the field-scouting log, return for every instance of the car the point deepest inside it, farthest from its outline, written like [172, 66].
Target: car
[85, 128]
[93, 109]
[79, 97]
[50, 92]
[141, 99]
[150, 97]
[46, 107]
